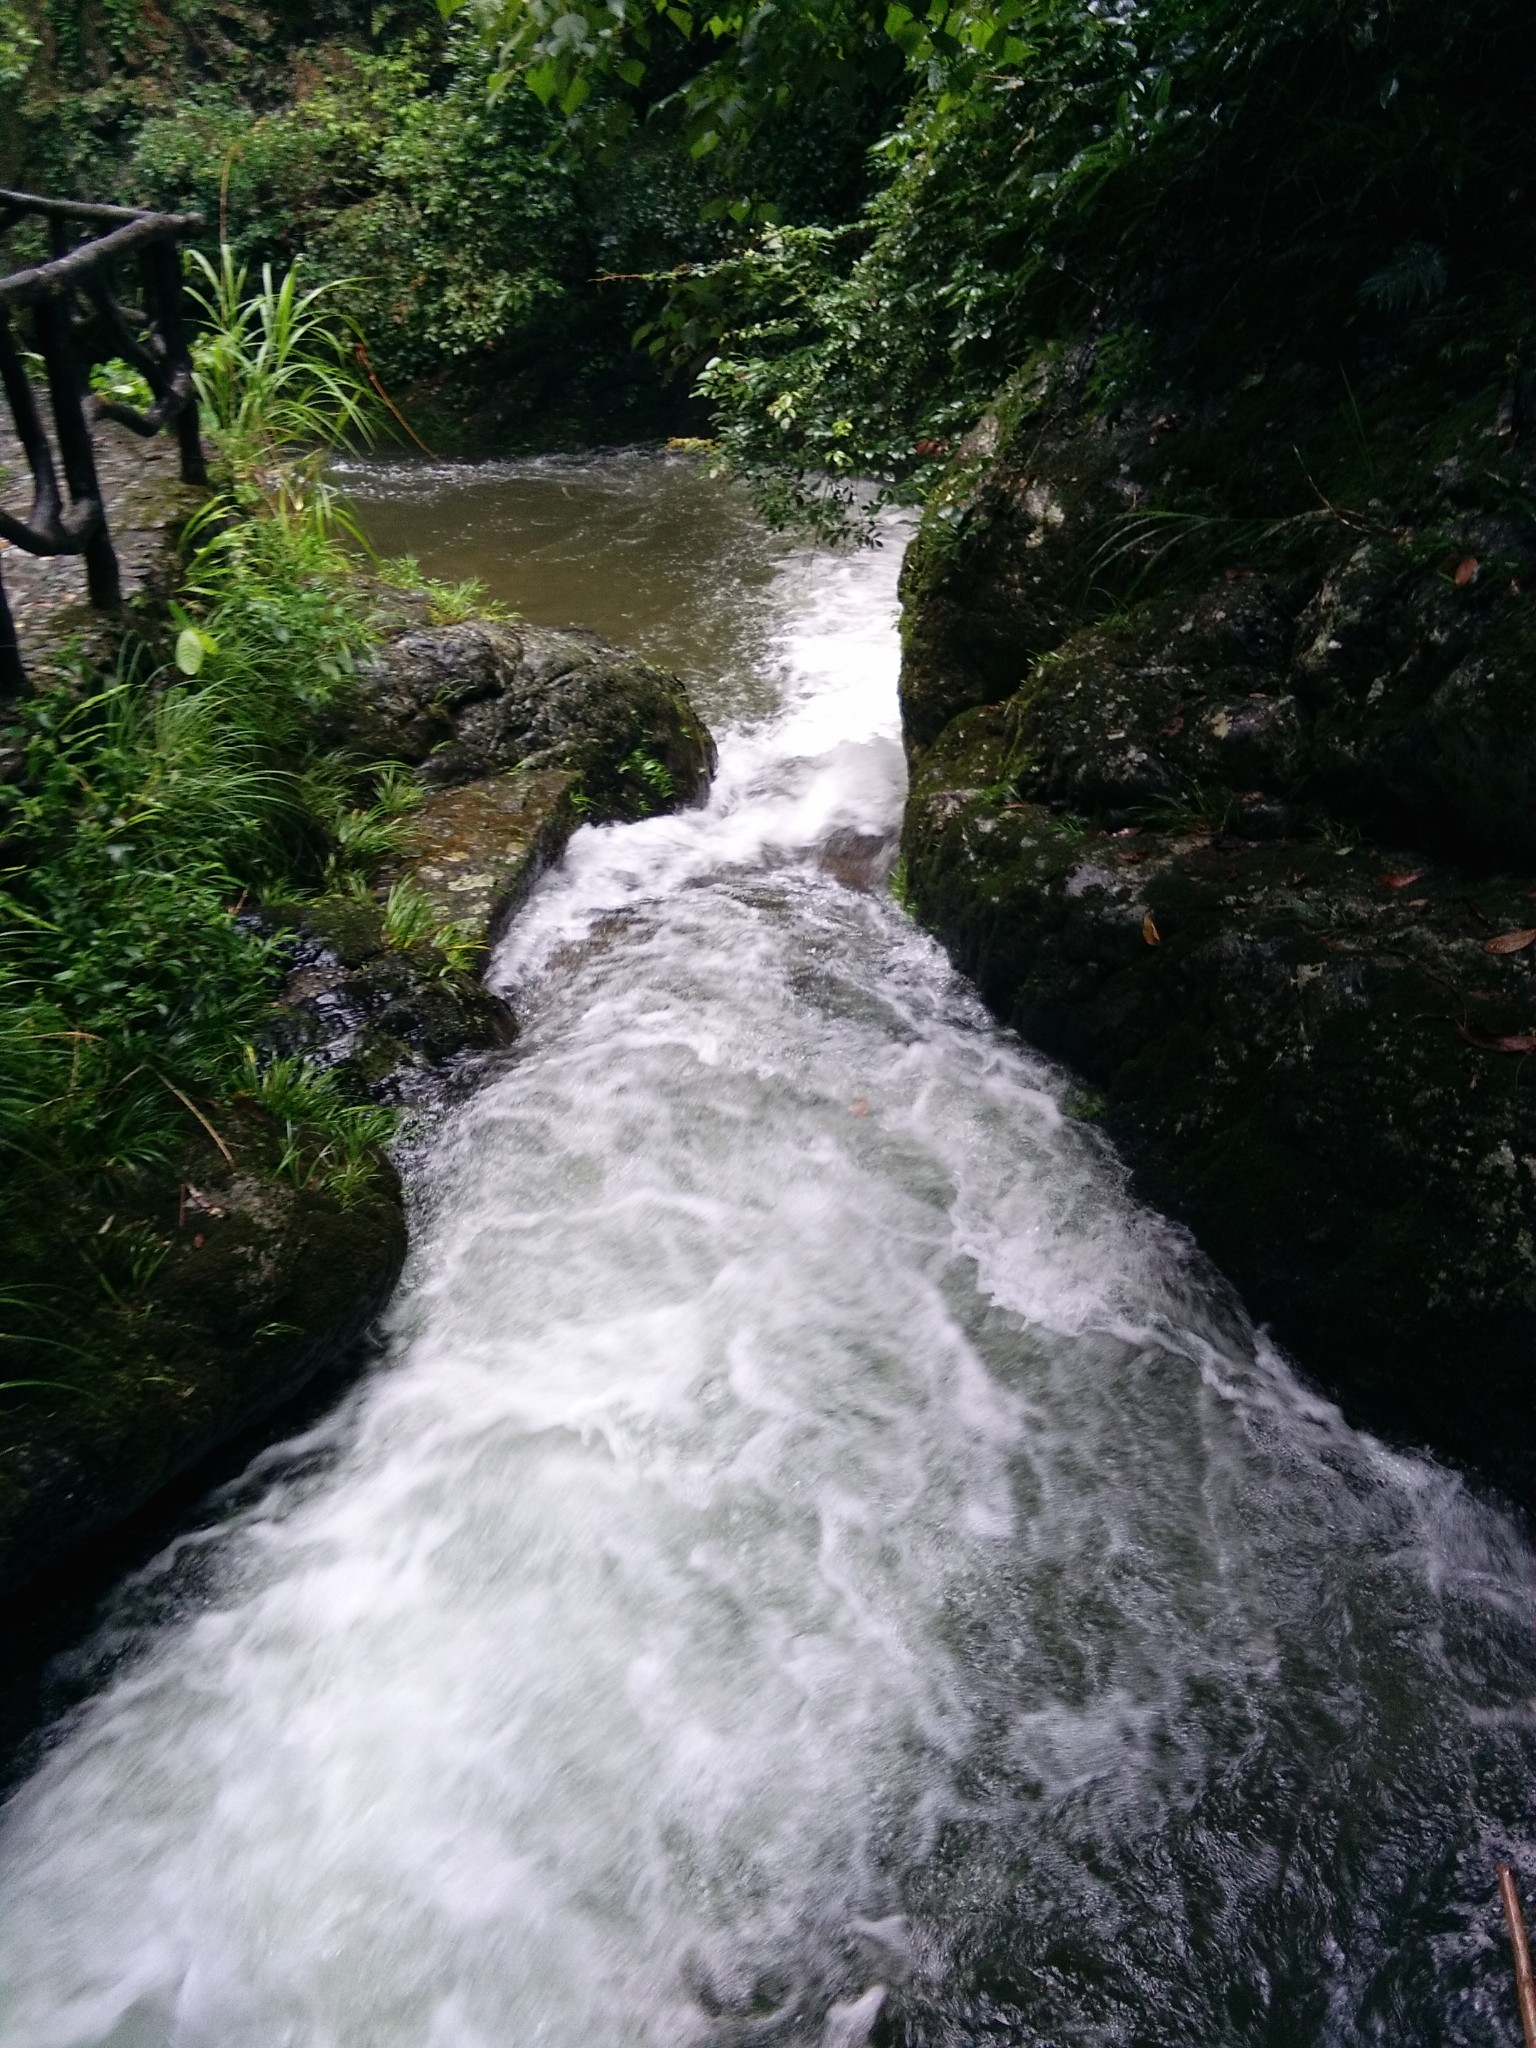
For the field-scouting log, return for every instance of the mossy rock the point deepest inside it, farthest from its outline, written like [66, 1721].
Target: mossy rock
[258, 1285]
[467, 701]
[476, 849]
[1299, 1057]
[391, 1017]
[997, 574]
[1175, 699]
[1421, 692]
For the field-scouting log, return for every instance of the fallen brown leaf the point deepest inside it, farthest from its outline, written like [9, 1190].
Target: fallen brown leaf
[1401, 881]
[1511, 1041]
[1510, 942]
[1150, 932]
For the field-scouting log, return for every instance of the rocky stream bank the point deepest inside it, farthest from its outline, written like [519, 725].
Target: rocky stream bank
[1235, 818]
[252, 1281]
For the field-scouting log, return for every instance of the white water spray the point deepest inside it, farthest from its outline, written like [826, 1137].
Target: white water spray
[812, 1531]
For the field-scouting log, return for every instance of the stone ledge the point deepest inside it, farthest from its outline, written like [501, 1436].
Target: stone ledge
[477, 850]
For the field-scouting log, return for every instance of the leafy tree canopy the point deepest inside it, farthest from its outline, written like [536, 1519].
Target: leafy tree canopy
[1202, 185]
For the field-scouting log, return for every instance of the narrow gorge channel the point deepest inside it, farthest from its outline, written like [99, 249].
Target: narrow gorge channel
[817, 1561]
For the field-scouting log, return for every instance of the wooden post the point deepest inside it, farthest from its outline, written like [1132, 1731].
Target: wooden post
[1525, 1983]
[47, 507]
[162, 278]
[66, 389]
[13, 675]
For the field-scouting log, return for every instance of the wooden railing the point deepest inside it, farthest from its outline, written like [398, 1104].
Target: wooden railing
[76, 317]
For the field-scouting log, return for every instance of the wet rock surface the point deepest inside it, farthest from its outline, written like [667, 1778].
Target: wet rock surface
[1253, 856]
[465, 701]
[518, 734]
[398, 1017]
[476, 850]
[258, 1285]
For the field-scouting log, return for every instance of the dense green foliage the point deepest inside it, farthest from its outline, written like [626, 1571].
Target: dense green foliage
[460, 226]
[1206, 190]
[495, 251]
[148, 809]
[862, 217]
[142, 812]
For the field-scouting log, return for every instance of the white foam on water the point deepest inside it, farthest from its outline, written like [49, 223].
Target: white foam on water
[800, 1472]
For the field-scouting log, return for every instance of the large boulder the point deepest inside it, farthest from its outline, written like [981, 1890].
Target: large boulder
[1232, 811]
[1174, 698]
[475, 699]
[994, 577]
[1309, 1054]
[1417, 669]
[256, 1284]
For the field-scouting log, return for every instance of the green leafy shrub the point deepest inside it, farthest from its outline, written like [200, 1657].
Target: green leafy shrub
[277, 368]
[1195, 194]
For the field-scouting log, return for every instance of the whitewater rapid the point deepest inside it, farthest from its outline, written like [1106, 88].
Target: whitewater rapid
[815, 1556]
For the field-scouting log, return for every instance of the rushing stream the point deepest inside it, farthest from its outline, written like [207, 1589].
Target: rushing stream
[816, 1557]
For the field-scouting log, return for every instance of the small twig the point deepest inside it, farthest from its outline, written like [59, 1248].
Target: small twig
[371, 375]
[188, 1103]
[644, 276]
[1525, 1983]
[1353, 520]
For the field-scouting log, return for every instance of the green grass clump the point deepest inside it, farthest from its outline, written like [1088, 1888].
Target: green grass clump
[278, 368]
[327, 1140]
[412, 919]
[653, 776]
[448, 604]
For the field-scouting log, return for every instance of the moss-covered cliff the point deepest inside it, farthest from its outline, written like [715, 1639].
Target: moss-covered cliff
[1222, 718]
